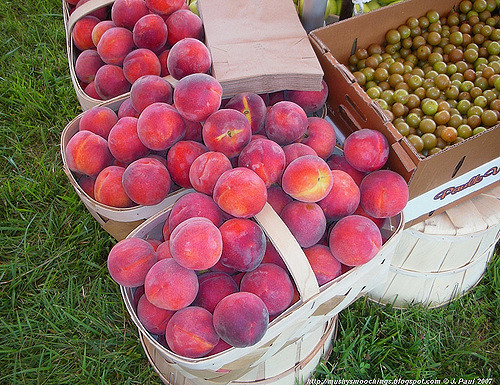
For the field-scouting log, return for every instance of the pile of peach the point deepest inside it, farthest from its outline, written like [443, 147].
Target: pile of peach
[213, 281]
[117, 46]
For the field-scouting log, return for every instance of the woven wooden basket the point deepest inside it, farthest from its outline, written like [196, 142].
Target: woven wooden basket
[440, 259]
[118, 222]
[293, 364]
[317, 305]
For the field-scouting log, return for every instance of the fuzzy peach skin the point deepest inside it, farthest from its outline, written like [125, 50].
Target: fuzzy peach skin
[214, 285]
[366, 150]
[188, 56]
[285, 122]
[354, 240]
[108, 188]
[87, 153]
[153, 318]
[305, 220]
[384, 193]
[149, 89]
[194, 204]
[180, 157]
[174, 293]
[190, 332]
[140, 62]
[99, 120]
[320, 135]
[343, 198]
[183, 23]
[206, 169]
[241, 319]
[196, 244]
[150, 32]
[125, 13]
[323, 264]
[252, 106]
[277, 198]
[124, 142]
[307, 179]
[240, 192]
[130, 260]
[310, 101]
[296, 150]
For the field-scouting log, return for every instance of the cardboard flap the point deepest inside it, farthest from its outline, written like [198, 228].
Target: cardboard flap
[259, 46]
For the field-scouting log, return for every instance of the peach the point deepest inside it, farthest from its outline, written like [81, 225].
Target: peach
[125, 13]
[149, 89]
[87, 153]
[150, 32]
[307, 179]
[338, 162]
[188, 56]
[252, 106]
[165, 231]
[366, 150]
[241, 319]
[219, 267]
[275, 97]
[206, 169]
[163, 250]
[244, 244]
[197, 96]
[146, 181]
[191, 205]
[277, 198]
[226, 131]
[271, 284]
[109, 190]
[130, 260]
[354, 240]
[266, 158]
[240, 192]
[220, 347]
[323, 264]
[285, 122]
[127, 109]
[90, 91]
[174, 293]
[378, 221]
[115, 44]
[306, 221]
[164, 7]
[213, 287]
[272, 256]
[196, 243]
[87, 64]
[384, 193]
[87, 184]
[320, 135]
[179, 159]
[162, 57]
[99, 29]
[296, 150]
[190, 332]
[343, 198]
[140, 62]
[183, 23]
[153, 318]
[160, 126]
[124, 142]
[110, 82]
[310, 101]
[138, 293]
[99, 120]
[81, 34]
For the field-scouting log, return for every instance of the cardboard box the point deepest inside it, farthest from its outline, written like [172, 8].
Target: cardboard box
[436, 182]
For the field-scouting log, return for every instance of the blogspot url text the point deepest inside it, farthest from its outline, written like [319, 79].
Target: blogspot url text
[400, 381]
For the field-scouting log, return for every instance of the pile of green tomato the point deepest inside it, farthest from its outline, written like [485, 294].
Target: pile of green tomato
[437, 77]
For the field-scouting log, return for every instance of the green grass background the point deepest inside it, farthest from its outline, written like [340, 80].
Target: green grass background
[62, 320]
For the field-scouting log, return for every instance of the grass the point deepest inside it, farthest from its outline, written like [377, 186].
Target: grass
[62, 320]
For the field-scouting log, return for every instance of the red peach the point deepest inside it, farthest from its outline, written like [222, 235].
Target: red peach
[160, 126]
[87, 64]
[87, 153]
[277, 198]
[240, 192]
[99, 120]
[149, 89]
[272, 256]
[343, 198]
[324, 265]
[101, 13]
[146, 181]
[188, 56]
[124, 142]
[99, 29]
[307, 179]
[266, 158]
[244, 244]
[226, 131]
[154, 242]
[206, 169]
[338, 162]
[153, 318]
[179, 159]
[150, 32]
[190, 332]
[174, 293]
[296, 150]
[310, 101]
[130, 260]
[110, 82]
[125, 13]
[306, 222]
[163, 251]
[213, 287]
[115, 44]
[384, 193]
[162, 57]
[127, 109]
[252, 106]
[140, 62]
[183, 23]
[109, 190]
[320, 135]
[164, 7]
[285, 122]
[90, 91]
[354, 240]
[82, 32]
[87, 184]
[191, 205]
[366, 150]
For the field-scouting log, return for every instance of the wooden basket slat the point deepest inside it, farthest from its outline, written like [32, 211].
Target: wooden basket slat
[470, 223]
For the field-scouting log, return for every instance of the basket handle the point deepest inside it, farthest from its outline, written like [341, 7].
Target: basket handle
[291, 252]
[84, 10]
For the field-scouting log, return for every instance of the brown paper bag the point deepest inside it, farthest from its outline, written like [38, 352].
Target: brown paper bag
[259, 46]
